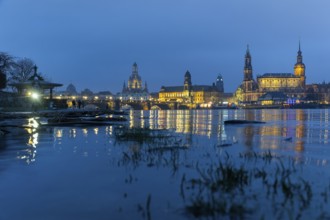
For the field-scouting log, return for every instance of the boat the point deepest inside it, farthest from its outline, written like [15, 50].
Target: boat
[242, 121]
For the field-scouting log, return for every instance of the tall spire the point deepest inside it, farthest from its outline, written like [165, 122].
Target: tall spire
[299, 56]
[134, 69]
[299, 68]
[124, 87]
[187, 81]
[248, 50]
[248, 65]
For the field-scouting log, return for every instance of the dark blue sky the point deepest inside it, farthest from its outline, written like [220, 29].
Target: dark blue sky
[93, 44]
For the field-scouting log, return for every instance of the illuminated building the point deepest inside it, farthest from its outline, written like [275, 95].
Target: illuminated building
[318, 93]
[192, 95]
[134, 91]
[273, 86]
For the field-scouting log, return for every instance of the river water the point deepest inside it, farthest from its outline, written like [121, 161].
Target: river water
[87, 173]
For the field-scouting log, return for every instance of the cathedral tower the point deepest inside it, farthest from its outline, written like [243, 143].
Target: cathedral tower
[187, 81]
[248, 82]
[187, 87]
[248, 66]
[299, 68]
[134, 81]
[219, 83]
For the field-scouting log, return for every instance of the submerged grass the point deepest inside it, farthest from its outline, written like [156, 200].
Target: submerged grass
[243, 191]
[145, 211]
[141, 135]
[254, 185]
[150, 147]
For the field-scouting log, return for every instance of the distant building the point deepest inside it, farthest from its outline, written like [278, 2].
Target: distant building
[281, 85]
[71, 90]
[134, 91]
[219, 83]
[318, 93]
[192, 95]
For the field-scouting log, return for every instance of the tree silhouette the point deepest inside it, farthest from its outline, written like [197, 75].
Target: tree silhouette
[22, 70]
[6, 63]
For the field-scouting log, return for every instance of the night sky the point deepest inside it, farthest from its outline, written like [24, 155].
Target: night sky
[93, 44]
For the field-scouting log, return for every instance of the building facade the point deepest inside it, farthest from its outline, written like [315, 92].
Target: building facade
[134, 90]
[192, 95]
[291, 85]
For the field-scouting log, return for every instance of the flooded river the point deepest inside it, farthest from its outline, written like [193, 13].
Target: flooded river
[180, 164]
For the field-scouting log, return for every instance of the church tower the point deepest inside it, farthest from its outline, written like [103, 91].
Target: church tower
[187, 87]
[299, 68]
[187, 81]
[219, 83]
[248, 82]
[248, 66]
[134, 81]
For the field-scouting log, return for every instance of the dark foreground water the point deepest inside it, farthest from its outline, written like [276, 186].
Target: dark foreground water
[195, 168]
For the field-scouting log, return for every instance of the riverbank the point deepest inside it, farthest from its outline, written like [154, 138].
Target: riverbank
[54, 113]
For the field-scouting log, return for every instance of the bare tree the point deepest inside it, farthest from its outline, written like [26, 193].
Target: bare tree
[6, 63]
[22, 70]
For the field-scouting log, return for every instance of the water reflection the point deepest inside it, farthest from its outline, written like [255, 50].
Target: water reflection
[299, 125]
[29, 154]
[285, 129]
[81, 140]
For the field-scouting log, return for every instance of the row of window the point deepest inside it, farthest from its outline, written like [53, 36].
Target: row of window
[279, 83]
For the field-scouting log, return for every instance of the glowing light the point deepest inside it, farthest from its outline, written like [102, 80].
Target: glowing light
[73, 133]
[32, 122]
[59, 133]
[33, 140]
[35, 95]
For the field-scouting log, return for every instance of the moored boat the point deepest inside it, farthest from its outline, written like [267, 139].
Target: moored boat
[243, 121]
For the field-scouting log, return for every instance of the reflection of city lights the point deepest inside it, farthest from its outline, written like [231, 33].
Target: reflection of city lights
[85, 132]
[73, 132]
[96, 131]
[109, 130]
[33, 140]
[59, 133]
[29, 156]
[143, 121]
[131, 119]
[33, 125]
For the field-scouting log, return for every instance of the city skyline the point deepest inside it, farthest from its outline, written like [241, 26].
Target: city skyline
[94, 45]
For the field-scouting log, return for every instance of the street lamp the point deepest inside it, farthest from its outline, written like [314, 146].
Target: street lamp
[35, 95]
